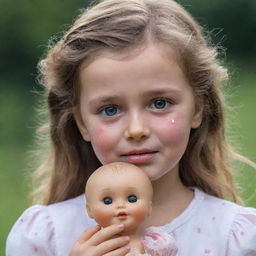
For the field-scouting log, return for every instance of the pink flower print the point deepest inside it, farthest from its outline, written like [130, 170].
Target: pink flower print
[35, 249]
[153, 236]
[198, 230]
[207, 251]
[242, 233]
[213, 218]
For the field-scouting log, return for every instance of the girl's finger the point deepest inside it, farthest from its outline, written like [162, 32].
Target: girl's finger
[119, 252]
[112, 245]
[106, 234]
[88, 233]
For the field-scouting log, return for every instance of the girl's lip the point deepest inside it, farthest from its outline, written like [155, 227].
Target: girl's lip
[139, 156]
[138, 151]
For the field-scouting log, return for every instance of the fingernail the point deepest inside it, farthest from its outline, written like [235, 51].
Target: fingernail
[120, 225]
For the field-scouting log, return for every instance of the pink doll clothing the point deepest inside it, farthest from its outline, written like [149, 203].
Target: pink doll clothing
[208, 227]
[157, 242]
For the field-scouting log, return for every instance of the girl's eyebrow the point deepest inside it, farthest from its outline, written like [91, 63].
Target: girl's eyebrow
[103, 99]
[161, 91]
[153, 92]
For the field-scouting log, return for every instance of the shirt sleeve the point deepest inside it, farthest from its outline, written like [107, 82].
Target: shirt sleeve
[242, 240]
[32, 234]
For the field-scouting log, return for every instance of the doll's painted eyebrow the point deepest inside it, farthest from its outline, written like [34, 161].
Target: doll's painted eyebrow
[132, 189]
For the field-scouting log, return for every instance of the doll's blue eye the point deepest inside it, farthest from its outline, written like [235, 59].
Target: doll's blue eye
[132, 199]
[107, 200]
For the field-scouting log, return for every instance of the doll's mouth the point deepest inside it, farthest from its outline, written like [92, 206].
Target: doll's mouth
[122, 215]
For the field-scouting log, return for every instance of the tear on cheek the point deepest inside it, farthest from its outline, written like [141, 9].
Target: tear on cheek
[172, 130]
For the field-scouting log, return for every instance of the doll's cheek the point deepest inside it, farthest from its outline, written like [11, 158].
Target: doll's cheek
[102, 218]
[140, 214]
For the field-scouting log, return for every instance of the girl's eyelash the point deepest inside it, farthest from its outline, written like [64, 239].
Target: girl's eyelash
[101, 108]
[115, 110]
[161, 100]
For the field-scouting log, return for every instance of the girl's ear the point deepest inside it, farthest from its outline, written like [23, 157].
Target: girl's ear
[198, 114]
[81, 126]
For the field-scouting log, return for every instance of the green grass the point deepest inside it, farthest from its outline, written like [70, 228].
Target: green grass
[16, 124]
[15, 138]
[243, 101]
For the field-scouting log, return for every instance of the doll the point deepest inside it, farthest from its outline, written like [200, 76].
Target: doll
[121, 193]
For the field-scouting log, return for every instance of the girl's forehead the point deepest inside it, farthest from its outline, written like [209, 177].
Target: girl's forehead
[150, 65]
[131, 52]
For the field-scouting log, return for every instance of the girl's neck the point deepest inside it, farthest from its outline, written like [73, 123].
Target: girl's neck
[171, 198]
[169, 188]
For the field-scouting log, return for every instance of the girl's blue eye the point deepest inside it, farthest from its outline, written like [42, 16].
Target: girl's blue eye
[107, 200]
[159, 104]
[132, 199]
[110, 111]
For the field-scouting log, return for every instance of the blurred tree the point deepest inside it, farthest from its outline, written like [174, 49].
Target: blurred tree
[232, 23]
[26, 26]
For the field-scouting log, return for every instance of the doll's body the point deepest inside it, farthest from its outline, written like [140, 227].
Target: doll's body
[120, 193]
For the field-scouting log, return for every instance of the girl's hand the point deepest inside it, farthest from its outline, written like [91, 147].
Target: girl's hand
[98, 242]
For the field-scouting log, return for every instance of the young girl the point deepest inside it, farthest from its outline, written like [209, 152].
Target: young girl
[135, 81]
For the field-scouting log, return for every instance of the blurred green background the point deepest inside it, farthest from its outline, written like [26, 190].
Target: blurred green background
[25, 28]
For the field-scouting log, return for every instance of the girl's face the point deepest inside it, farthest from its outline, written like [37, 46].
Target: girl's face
[137, 107]
[119, 197]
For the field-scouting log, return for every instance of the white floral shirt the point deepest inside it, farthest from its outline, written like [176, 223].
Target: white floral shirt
[208, 227]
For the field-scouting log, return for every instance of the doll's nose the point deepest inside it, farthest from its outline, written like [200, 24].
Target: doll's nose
[120, 205]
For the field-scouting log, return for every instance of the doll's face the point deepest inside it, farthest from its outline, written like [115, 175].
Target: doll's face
[119, 197]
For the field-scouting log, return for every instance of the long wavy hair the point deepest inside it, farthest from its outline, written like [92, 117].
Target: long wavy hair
[118, 25]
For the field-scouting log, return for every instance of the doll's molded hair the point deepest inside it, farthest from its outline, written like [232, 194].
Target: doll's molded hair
[121, 168]
[117, 25]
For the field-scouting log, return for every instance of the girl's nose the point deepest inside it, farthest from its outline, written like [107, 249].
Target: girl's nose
[136, 128]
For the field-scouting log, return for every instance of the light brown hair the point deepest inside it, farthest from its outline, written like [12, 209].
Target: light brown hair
[117, 25]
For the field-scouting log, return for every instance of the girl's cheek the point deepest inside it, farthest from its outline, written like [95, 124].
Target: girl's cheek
[103, 142]
[172, 129]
